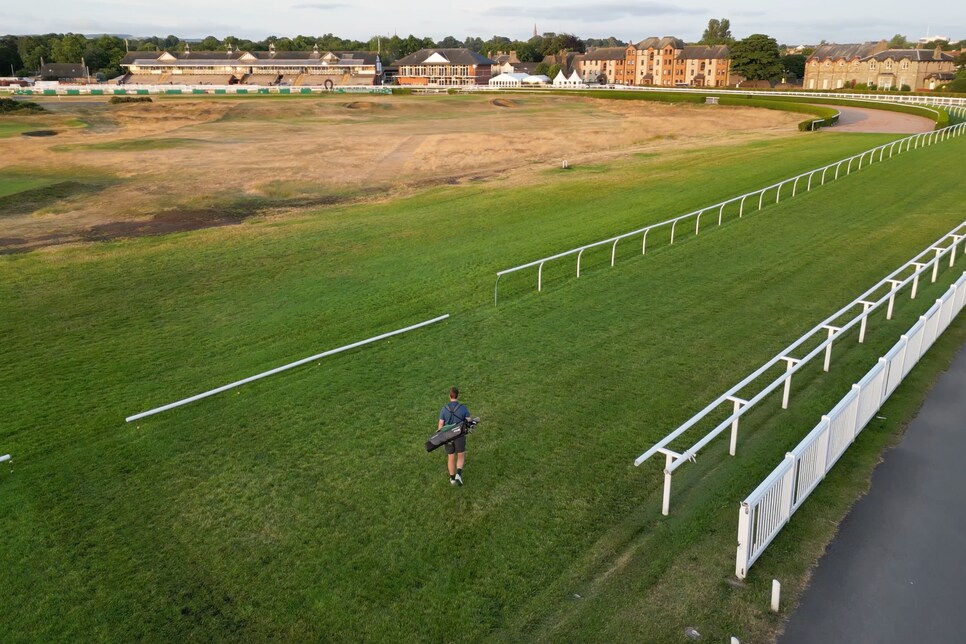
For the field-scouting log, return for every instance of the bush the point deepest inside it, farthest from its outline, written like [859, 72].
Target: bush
[862, 86]
[10, 106]
[873, 86]
[130, 99]
[905, 88]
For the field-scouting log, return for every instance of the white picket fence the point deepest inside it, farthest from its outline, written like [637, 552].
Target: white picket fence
[819, 176]
[825, 333]
[765, 512]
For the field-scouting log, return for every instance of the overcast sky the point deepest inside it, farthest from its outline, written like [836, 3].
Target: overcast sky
[802, 22]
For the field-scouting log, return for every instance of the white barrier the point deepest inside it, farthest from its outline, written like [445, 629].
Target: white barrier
[818, 175]
[926, 261]
[769, 507]
[237, 383]
[4, 458]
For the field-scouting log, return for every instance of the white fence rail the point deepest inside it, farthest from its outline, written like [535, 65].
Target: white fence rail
[904, 99]
[792, 185]
[881, 295]
[765, 512]
[272, 372]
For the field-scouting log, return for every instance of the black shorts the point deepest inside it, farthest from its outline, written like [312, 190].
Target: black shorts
[456, 446]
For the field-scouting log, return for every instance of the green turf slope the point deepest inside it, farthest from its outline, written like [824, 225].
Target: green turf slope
[304, 507]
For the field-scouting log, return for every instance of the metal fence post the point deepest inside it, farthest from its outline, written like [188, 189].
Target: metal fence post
[865, 318]
[790, 365]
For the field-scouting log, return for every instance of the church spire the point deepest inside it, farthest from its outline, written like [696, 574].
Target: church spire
[534, 30]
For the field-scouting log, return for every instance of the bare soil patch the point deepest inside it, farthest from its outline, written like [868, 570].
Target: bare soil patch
[277, 155]
[40, 133]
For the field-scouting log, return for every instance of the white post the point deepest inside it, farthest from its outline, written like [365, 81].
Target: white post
[952, 255]
[644, 242]
[915, 278]
[738, 403]
[4, 458]
[935, 268]
[865, 318]
[697, 223]
[832, 330]
[892, 297]
[776, 591]
[741, 207]
[761, 198]
[790, 362]
[666, 501]
[795, 185]
[540, 277]
[824, 170]
[720, 213]
[613, 252]
[579, 253]
[673, 226]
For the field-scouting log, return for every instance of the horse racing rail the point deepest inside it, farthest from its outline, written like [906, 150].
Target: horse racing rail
[893, 283]
[765, 512]
[910, 142]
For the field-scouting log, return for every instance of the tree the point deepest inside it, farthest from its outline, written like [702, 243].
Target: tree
[757, 58]
[69, 49]
[959, 83]
[898, 42]
[449, 42]
[209, 44]
[9, 55]
[542, 68]
[553, 71]
[794, 64]
[474, 44]
[717, 33]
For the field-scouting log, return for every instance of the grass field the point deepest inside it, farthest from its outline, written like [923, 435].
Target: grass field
[304, 506]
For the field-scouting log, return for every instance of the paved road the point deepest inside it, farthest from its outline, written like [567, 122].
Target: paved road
[858, 119]
[896, 572]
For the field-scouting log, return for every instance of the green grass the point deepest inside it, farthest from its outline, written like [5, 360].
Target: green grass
[12, 184]
[131, 145]
[304, 507]
[13, 128]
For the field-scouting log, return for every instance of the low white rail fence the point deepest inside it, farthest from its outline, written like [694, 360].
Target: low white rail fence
[819, 176]
[883, 294]
[765, 512]
[904, 99]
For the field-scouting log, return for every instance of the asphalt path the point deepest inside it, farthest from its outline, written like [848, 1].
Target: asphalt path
[860, 119]
[896, 572]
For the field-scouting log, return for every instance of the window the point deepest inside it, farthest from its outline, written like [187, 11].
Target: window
[905, 64]
[873, 64]
[888, 64]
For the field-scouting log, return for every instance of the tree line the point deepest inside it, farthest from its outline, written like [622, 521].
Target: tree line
[756, 57]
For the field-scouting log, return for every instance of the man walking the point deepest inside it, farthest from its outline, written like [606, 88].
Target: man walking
[453, 413]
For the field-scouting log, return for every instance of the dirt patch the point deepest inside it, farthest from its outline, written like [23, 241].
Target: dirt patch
[217, 162]
[365, 105]
[40, 133]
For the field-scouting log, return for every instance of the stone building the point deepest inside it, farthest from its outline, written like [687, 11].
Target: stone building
[602, 64]
[669, 62]
[442, 67]
[838, 66]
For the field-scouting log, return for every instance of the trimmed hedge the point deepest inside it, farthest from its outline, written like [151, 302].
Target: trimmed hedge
[129, 99]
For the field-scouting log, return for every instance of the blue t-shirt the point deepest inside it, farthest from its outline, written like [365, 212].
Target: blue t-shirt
[453, 413]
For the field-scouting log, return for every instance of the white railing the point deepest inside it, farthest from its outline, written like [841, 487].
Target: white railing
[868, 302]
[286, 367]
[908, 99]
[113, 89]
[817, 176]
[765, 512]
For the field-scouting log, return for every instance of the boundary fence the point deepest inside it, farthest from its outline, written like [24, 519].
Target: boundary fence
[868, 302]
[770, 506]
[145, 90]
[823, 173]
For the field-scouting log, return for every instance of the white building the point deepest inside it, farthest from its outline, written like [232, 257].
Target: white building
[508, 80]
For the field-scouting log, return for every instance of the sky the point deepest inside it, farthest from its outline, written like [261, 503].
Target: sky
[791, 23]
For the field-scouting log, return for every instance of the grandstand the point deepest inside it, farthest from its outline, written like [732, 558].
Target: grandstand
[308, 68]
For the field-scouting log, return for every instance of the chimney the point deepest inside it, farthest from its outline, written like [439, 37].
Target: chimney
[271, 48]
[187, 48]
[938, 53]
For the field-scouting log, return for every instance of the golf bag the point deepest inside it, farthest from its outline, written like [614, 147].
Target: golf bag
[449, 433]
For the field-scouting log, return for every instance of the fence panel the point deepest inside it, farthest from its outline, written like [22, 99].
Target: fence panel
[870, 395]
[764, 514]
[931, 329]
[810, 464]
[914, 346]
[895, 357]
[842, 426]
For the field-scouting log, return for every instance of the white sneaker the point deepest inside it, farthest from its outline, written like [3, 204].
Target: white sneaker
[452, 481]
[459, 479]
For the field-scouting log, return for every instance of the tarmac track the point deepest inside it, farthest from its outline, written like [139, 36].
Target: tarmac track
[861, 119]
[896, 572]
